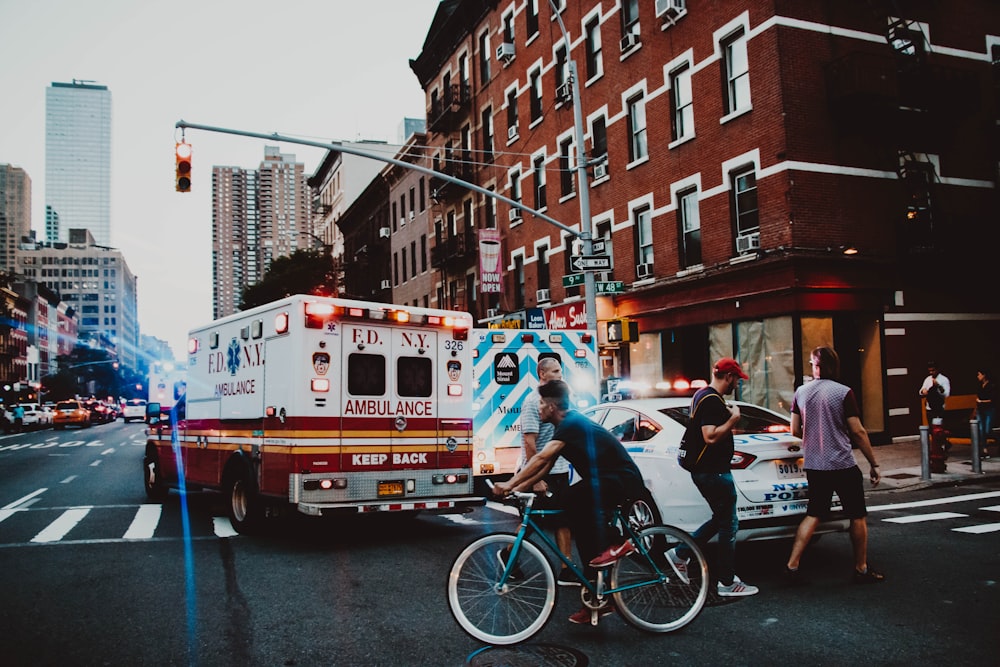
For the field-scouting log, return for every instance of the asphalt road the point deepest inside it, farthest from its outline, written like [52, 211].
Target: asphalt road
[92, 575]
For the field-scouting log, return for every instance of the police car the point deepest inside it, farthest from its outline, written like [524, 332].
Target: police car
[767, 467]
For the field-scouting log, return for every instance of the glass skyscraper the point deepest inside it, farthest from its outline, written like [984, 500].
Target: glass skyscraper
[78, 160]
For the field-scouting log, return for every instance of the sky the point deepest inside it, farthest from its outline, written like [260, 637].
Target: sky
[320, 70]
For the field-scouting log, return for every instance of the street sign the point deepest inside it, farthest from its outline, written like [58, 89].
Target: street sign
[598, 246]
[591, 262]
[610, 287]
[573, 280]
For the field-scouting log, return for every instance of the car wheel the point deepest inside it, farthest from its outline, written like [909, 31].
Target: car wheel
[156, 487]
[245, 507]
[642, 512]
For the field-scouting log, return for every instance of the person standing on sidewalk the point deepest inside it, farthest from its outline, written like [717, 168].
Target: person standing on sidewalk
[986, 398]
[936, 389]
[825, 415]
[712, 474]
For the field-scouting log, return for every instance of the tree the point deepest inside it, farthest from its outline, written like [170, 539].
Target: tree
[302, 272]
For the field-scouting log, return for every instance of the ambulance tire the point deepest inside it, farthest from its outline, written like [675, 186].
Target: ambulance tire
[245, 506]
[152, 477]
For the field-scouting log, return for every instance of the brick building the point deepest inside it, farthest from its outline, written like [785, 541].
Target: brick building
[778, 175]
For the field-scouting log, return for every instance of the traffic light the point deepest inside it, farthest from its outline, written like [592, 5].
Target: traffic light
[622, 331]
[183, 177]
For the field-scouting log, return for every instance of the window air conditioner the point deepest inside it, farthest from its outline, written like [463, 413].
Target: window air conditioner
[402, 221]
[383, 232]
[748, 243]
[600, 170]
[412, 215]
[512, 132]
[492, 312]
[515, 214]
[669, 8]
[505, 52]
[564, 93]
[629, 41]
[542, 295]
[644, 270]
[385, 284]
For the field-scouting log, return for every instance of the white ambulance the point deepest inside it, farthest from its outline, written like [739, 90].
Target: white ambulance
[505, 373]
[329, 405]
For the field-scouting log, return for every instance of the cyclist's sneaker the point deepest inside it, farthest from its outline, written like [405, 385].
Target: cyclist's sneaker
[515, 574]
[613, 554]
[680, 565]
[736, 589]
[583, 616]
[567, 578]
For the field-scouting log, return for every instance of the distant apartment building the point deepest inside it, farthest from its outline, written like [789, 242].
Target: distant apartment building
[15, 213]
[96, 282]
[764, 176]
[257, 216]
[78, 160]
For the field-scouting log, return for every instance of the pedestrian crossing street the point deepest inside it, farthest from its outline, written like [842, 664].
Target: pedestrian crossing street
[23, 523]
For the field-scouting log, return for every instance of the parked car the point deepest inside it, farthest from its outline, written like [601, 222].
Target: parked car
[134, 409]
[71, 413]
[767, 467]
[35, 416]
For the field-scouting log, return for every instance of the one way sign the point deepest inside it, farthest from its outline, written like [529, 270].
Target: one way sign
[591, 262]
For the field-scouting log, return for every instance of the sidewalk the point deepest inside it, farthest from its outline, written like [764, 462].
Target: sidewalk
[900, 465]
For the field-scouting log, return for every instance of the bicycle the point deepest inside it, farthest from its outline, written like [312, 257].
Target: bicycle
[506, 598]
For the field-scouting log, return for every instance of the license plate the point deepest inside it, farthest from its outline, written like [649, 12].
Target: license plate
[390, 489]
[789, 468]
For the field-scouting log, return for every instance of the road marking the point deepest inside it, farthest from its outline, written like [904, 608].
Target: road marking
[461, 519]
[982, 528]
[68, 479]
[6, 514]
[933, 516]
[994, 508]
[65, 523]
[24, 499]
[223, 527]
[147, 518]
[934, 501]
[72, 443]
[107, 451]
[95, 463]
[500, 507]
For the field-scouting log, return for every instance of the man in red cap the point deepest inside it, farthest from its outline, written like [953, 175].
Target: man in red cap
[712, 451]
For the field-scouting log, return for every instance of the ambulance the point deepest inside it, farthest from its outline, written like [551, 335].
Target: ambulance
[505, 373]
[327, 405]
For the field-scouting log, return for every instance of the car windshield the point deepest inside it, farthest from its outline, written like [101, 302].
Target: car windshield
[752, 419]
[66, 406]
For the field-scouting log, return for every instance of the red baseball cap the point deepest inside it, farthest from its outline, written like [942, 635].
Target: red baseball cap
[730, 365]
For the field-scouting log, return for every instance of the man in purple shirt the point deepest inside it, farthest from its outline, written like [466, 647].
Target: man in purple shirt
[825, 415]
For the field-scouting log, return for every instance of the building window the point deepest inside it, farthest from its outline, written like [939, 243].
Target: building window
[491, 210]
[535, 95]
[423, 253]
[395, 269]
[643, 220]
[745, 202]
[599, 137]
[512, 113]
[413, 258]
[736, 72]
[566, 182]
[568, 266]
[487, 130]
[508, 27]
[404, 265]
[543, 267]
[594, 65]
[637, 128]
[690, 223]
[561, 70]
[538, 167]
[681, 103]
[484, 57]
[630, 17]
[531, 16]
[515, 185]
[423, 196]
[519, 278]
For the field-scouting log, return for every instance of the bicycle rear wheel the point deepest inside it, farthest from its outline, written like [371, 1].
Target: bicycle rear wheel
[505, 614]
[660, 601]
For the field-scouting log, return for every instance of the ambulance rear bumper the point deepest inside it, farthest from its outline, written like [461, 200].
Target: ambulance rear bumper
[440, 505]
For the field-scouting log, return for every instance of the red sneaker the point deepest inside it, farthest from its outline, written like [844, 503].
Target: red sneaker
[585, 617]
[612, 554]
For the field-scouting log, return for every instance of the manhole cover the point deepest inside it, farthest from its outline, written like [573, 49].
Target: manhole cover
[528, 655]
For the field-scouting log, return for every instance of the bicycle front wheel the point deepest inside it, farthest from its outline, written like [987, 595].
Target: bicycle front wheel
[657, 599]
[497, 614]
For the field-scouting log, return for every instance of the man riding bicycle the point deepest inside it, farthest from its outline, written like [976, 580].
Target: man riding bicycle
[608, 478]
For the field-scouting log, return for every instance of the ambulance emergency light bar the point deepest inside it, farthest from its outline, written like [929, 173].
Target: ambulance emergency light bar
[318, 314]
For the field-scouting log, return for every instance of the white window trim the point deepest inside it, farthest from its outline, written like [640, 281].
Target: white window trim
[596, 12]
[721, 35]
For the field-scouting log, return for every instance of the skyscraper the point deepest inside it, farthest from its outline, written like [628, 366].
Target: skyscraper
[78, 160]
[15, 212]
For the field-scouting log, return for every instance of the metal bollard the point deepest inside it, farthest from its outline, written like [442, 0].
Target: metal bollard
[925, 452]
[977, 464]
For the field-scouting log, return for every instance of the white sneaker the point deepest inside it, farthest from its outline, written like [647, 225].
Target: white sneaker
[736, 589]
[679, 564]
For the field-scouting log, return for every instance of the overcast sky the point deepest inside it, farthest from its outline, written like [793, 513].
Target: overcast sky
[315, 69]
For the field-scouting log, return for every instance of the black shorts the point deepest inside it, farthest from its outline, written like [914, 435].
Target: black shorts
[848, 484]
[558, 486]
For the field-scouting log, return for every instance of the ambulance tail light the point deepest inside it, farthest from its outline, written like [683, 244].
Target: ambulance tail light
[586, 338]
[461, 333]
[338, 483]
[527, 338]
[454, 390]
[281, 323]
[451, 478]
[580, 354]
[320, 384]
[434, 319]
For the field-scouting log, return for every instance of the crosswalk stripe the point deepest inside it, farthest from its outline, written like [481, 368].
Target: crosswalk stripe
[933, 516]
[222, 526]
[977, 530]
[6, 513]
[58, 528]
[144, 524]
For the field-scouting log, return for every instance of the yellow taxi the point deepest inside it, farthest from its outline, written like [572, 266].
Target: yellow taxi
[71, 413]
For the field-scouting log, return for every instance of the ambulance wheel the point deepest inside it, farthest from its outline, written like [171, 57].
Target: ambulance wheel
[245, 507]
[156, 488]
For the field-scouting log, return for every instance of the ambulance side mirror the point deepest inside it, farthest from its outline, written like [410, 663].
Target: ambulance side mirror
[152, 413]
